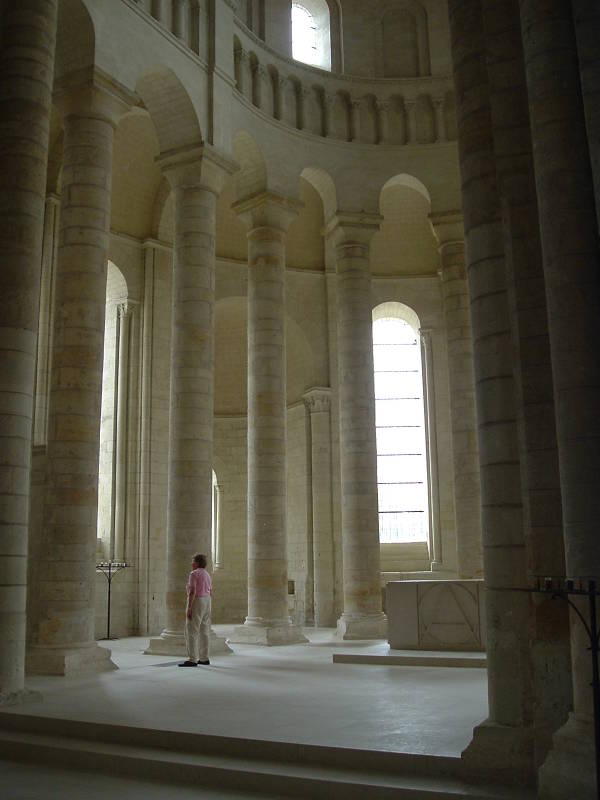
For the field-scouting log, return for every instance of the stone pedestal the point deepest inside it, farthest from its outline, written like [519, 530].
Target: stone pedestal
[436, 615]
[362, 617]
[63, 634]
[196, 175]
[267, 217]
[26, 74]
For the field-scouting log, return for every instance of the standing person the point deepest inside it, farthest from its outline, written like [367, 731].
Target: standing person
[197, 623]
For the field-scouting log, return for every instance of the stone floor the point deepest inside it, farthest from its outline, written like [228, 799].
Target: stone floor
[289, 694]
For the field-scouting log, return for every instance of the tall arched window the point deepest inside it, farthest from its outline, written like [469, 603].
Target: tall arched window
[311, 33]
[401, 443]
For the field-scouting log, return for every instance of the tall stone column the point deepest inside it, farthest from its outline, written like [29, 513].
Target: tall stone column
[431, 445]
[63, 635]
[318, 404]
[268, 623]
[46, 318]
[503, 744]
[362, 617]
[26, 74]
[549, 645]
[196, 176]
[467, 493]
[571, 262]
[124, 312]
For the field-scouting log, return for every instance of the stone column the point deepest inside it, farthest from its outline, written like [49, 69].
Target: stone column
[549, 644]
[503, 744]
[180, 10]
[63, 635]
[46, 318]
[467, 491]
[318, 404]
[571, 263]
[196, 176]
[354, 132]
[362, 617]
[383, 115]
[120, 451]
[268, 217]
[440, 122]
[26, 74]
[410, 108]
[435, 533]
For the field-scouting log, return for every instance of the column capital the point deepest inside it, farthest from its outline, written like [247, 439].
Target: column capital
[356, 227]
[318, 399]
[267, 210]
[448, 229]
[199, 165]
[125, 308]
[91, 93]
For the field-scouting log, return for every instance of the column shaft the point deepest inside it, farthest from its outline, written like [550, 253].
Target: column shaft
[549, 636]
[268, 619]
[569, 240]
[46, 319]
[467, 493]
[120, 452]
[318, 404]
[26, 74]
[196, 177]
[362, 616]
[504, 743]
[64, 633]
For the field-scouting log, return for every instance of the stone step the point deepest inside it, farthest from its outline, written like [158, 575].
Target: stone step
[262, 767]
[433, 660]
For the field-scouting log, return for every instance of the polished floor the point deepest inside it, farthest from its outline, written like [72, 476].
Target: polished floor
[288, 694]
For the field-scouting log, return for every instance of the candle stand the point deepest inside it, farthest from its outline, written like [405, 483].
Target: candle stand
[109, 569]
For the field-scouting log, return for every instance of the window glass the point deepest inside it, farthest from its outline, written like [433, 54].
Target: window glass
[400, 421]
[304, 35]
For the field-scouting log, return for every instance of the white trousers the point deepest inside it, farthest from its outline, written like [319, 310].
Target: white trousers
[197, 630]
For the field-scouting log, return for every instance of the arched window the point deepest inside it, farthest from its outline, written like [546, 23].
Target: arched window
[401, 443]
[311, 34]
[304, 35]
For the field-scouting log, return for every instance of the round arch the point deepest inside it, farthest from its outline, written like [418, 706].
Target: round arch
[166, 98]
[397, 310]
[251, 178]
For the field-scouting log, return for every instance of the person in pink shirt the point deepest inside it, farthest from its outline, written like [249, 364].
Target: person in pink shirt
[197, 623]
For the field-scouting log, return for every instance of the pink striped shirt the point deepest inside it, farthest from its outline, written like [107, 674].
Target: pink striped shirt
[199, 583]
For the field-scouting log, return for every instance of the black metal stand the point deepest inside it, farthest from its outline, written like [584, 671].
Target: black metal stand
[109, 569]
[559, 588]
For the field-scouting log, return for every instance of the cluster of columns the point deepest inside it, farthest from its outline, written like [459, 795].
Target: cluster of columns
[534, 286]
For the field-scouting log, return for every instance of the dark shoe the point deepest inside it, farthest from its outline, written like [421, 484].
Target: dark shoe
[187, 664]
[204, 663]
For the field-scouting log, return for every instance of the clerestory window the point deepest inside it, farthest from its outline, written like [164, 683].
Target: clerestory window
[402, 483]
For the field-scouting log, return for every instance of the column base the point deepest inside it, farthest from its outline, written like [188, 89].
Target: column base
[569, 769]
[500, 753]
[268, 633]
[19, 697]
[362, 626]
[85, 660]
[172, 643]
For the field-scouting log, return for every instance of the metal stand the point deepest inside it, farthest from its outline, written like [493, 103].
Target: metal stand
[109, 569]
